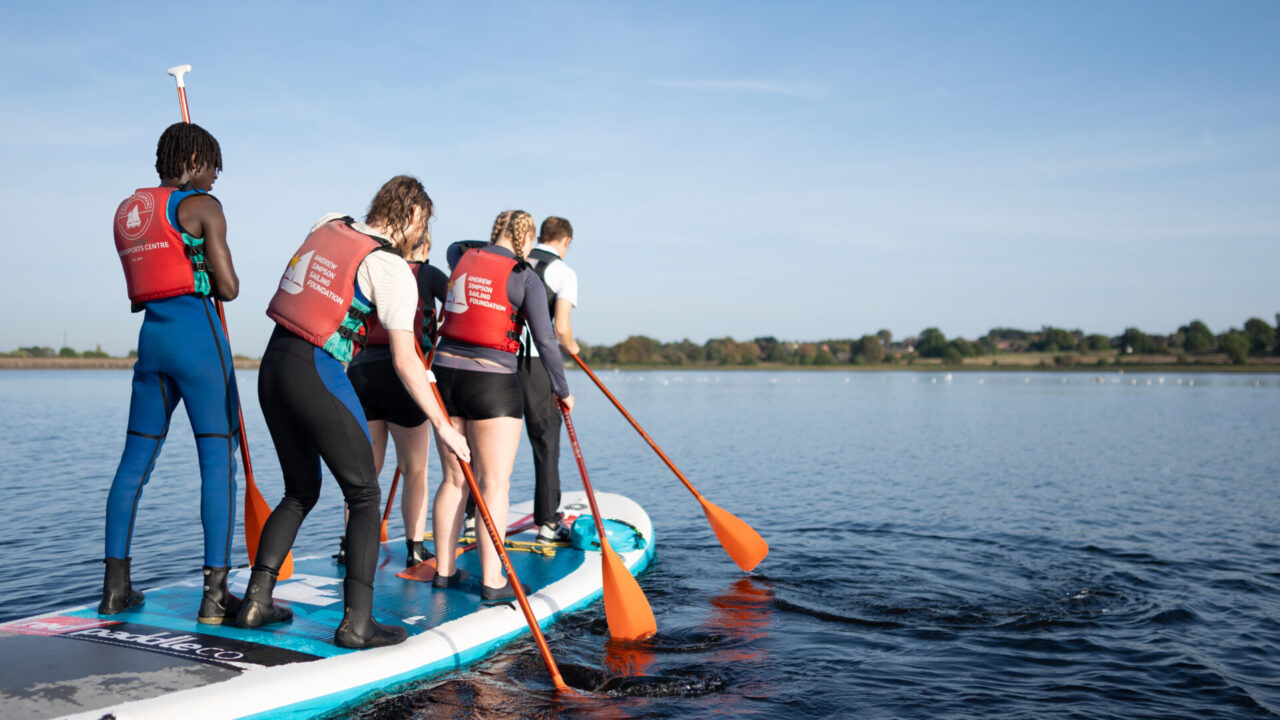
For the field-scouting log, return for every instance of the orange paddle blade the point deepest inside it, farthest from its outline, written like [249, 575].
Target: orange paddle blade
[625, 606]
[256, 512]
[739, 539]
[743, 544]
[424, 571]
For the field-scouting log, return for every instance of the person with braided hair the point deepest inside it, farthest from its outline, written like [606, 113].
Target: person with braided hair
[491, 295]
[172, 244]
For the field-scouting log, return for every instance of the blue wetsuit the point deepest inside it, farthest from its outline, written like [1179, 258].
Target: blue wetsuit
[183, 354]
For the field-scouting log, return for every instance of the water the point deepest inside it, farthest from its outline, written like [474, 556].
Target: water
[996, 544]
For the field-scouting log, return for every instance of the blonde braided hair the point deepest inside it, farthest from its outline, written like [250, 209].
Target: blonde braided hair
[515, 224]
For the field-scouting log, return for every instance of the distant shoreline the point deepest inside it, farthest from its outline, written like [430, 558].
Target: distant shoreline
[982, 364]
[92, 363]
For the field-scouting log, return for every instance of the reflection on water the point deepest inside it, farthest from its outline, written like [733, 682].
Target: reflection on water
[745, 613]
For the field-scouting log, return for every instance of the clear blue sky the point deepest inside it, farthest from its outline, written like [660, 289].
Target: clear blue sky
[802, 170]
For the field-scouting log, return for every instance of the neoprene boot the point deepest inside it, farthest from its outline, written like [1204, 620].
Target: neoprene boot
[118, 594]
[359, 630]
[417, 553]
[218, 604]
[257, 609]
[455, 580]
[506, 592]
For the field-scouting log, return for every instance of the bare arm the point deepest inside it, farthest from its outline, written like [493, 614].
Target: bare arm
[201, 216]
[408, 366]
[564, 330]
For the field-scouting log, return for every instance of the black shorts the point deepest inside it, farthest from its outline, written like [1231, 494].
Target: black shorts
[382, 395]
[477, 395]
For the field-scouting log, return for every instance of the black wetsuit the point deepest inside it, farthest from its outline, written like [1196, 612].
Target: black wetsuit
[313, 414]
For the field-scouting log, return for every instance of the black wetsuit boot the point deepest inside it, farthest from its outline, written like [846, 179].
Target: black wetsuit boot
[417, 553]
[118, 594]
[218, 604]
[358, 629]
[257, 609]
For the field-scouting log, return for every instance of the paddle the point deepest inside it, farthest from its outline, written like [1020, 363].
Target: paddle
[739, 539]
[625, 606]
[425, 571]
[256, 509]
[498, 543]
[391, 497]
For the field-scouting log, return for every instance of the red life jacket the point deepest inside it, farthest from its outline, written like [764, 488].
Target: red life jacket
[318, 299]
[157, 262]
[477, 309]
[378, 334]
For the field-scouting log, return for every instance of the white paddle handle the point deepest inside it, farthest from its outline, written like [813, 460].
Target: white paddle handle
[177, 71]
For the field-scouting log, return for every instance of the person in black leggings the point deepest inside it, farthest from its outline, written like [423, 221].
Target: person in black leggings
[344, 272]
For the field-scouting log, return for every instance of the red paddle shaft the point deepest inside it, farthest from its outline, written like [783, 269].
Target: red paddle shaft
[254, 506]
[498, 544]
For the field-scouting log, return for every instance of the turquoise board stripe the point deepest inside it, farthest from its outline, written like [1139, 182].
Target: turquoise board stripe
[359, 695]
[311, 631]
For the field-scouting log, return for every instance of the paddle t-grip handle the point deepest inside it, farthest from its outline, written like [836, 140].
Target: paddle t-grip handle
[177, 71]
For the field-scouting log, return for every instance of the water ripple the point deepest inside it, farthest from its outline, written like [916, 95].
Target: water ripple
[1012, 549]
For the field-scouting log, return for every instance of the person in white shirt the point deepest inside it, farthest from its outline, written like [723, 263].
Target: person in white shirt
[343, 272]
[541, 413]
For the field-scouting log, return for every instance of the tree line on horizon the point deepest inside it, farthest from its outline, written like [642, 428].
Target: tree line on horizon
[1190, 342]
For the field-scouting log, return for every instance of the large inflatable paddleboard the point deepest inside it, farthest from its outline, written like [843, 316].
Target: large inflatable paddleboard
[156, 661]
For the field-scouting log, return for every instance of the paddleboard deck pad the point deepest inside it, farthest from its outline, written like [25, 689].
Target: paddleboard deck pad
[156, 661]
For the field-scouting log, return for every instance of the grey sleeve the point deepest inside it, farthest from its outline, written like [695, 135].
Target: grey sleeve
[538, 318]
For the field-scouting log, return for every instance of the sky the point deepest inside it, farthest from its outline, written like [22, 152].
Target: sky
[801, 170]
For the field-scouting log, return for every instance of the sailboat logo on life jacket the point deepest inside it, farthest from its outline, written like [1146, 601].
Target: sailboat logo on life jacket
[296, 274]
[456, 300]
[134, 217]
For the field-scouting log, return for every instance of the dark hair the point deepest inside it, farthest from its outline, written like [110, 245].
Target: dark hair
[178, 143]
[554, 229]
[392, 208]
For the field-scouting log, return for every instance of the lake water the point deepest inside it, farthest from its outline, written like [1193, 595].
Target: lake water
[983, 545]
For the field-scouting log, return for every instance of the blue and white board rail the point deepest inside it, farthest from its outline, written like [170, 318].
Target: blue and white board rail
[156, 661]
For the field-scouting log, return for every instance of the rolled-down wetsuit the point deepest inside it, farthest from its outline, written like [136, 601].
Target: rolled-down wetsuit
[183, 355]
[312, 412]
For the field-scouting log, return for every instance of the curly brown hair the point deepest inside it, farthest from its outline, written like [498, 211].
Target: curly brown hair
[392, 208]
[516, 224]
